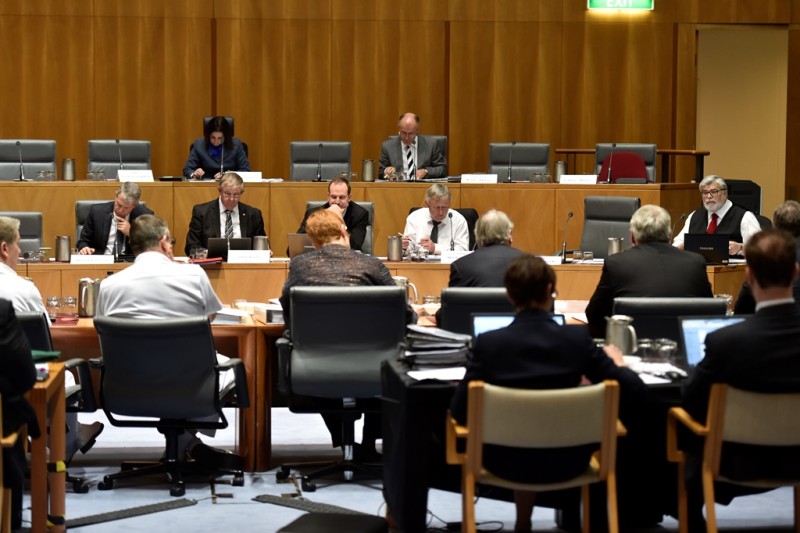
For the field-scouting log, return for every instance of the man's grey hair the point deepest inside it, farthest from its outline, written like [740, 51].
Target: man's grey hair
[651, 223]
[494, 227]
[130, 191]
[787, 217]
[437, 191]
[713, 179]
[146, 232]
[9, 227]
[232, 179]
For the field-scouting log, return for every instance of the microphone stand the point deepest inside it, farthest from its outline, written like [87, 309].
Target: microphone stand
[119, 152]
[21, 166]
[319, 163]
[610, 161]
[564, 242]
[452, 237]
[222, 161]
[510, 152]
[675, 225]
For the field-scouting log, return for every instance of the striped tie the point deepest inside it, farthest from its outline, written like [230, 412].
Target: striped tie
[228, 224]
[412, 170]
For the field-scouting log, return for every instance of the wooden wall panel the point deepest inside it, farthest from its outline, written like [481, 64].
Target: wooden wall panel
[154, 8]
[736, 11]
[389, 10]
[273, 9]
[46, 7]
[685, 122]
[506, 10]
[792, 187]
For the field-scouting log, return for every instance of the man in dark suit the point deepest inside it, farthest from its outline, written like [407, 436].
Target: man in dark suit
[486, 266]
[224, 216]
[414, 155]
[98, 235]
[355, 217]
[759, 354]
[652, 267]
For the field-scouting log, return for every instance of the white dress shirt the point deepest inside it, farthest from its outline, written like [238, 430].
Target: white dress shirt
[747, 228]
[419, 225]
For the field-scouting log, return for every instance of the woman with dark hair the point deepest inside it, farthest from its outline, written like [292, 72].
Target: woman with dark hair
[216, 152]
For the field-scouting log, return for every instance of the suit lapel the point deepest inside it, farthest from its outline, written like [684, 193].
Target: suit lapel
[243, 220]
[215, 230]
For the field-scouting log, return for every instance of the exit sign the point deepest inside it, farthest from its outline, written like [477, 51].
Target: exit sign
[621, 4]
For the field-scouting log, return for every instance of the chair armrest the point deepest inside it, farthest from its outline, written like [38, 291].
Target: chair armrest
[83, 396]
[9, 440]
[96, 362]
[621, 429]
[284, 347]
[675, 415]
[240, 381]
[454, 433]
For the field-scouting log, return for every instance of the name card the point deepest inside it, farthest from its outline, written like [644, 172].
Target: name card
[248, 256]
[448, 256]
[250, 176]
[552, 259]
[139, 175]
[76, 259]
[478, 178]
[578, 179]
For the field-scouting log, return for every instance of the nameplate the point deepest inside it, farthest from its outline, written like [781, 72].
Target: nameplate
[139, 175]
[448, 256]
[578, 179]
[478, 178]
[76, 259]
[248, 256]
[552, 259]
[250, 176]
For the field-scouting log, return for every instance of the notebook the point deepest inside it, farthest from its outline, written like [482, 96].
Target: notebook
[218, 246]
[693, 331]
[299, 243]
[483, 322]
[714, 246]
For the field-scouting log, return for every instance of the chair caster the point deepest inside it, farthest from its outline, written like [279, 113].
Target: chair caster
[80, 487]
[282, 474]
[106, 484]
[178, 490]
[238, 480]
[307, 486]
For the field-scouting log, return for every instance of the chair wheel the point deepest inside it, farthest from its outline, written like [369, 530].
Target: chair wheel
[238, 480]
[282, 474]
[178, 490]
[80, 487]
[106, 484]
[307, 486]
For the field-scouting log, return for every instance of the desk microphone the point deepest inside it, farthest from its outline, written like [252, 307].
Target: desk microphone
[222, 161]
[119, 152]
[452, 241]
[116, 236]
[510, 152]
[610, 160]
[319, 163]
[564, 242]
[21, 166]
[675, 225]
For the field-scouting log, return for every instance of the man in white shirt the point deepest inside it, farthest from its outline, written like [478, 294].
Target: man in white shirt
[438, 227]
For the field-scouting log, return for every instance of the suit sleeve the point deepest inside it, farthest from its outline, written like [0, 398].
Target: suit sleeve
[87, 233]
[192, 163]
[455, 276]
[259, 225]
[195, 237]
[385, 161]
[438, 165]
[601, 304]
[242, 162]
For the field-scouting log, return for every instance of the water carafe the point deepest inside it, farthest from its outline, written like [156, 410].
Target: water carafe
[402, 281]
[88, 291]
[620, 333]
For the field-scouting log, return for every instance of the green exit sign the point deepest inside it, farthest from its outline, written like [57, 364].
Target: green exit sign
[632, 5]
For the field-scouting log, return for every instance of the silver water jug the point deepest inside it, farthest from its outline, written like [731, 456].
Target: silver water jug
[368, 170]
[260, 242]
[560, 170]
[88, 290]
[614, 245]
[621, 334]
[63, 248]
[394, 250]
[68, 169]
[402, 281]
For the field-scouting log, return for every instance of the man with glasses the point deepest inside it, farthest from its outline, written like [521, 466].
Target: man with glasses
[720, 215]
[355, 217]
[108, 225]
[412, 155]
[438, 227]
[225, 216]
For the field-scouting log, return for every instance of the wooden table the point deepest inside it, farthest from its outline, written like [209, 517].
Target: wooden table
[48, 400]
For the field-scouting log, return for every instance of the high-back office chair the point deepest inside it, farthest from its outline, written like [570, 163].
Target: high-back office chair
[36, 155]
[656, 318]
[164, 374]
[470, 215]
[524, 418]
[30, 229]
[331, 158]
[605, 217]
[458, 304]
[625, 167]
[755, 421]
[82, 208]
[524, 159]
[229, 119]
[108, 154]
[366, 248]
[342, 377]
[647, 151]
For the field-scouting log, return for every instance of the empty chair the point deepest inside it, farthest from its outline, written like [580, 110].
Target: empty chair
[658, 317]
[524, 160]
[623, 167]
[605, 217]
[36, 155]
[370, 207]
[646, 151]
[458, 304]
[318, 160]
[110, 155]
[30, 229]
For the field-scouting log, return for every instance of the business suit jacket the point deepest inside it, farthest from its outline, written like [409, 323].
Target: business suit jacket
[655, 269]
[356, 218]
[746, 303]
[429, 157]
[485, 267]
[199, 157]
[98, 224]
[534, 352]
[205, 223]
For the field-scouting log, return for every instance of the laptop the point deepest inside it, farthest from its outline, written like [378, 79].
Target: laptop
[483, 322]
[299, 243]
[693, 331]
[218, 246]
[714, 246]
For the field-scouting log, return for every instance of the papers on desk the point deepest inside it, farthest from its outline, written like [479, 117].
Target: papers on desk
[655, 373]
[230, 316]
[455, 373]
[435, 346]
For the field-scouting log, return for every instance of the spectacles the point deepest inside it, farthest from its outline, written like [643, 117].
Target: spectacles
[712, 192]
[234, 195]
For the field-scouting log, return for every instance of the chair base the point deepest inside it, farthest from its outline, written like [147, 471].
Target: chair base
[173, 470]
[345, 466]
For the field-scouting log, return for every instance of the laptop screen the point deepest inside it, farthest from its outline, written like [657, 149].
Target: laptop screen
[483, 322]
[694, 330]
[299, 243]
[714, 246]
[219, 246]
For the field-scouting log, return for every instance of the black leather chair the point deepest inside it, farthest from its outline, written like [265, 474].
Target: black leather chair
[647, 151]
[164, 374]
[458, 304]
[370, 207]
[30, 229]
[657, 318]
[332, 158]
[471, 216]
[605, 217]
[341, 377]
[36, 155]
[526, 160]
[106, 154]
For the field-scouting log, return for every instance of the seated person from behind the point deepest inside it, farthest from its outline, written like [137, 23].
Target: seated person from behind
[215, 153]
[486, 266]
[438, 227]
[534, 352]
[107, 227]
[355, 217]
[652, 267]
[417, 156]
[225, 216]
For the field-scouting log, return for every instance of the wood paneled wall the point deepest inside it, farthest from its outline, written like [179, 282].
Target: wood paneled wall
[477, 71]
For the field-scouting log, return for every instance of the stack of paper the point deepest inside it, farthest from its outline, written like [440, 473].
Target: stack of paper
[228, 315]
[435, 346]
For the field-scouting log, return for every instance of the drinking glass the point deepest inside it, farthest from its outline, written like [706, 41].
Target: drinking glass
[69, 306]
[666, 350]
[729, 301]
[53, 304]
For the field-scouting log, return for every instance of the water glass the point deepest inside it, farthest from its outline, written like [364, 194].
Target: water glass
[666, 350]
[588, 255]
[53, 304]
[729, 301]
[69, 306]
[645, 349]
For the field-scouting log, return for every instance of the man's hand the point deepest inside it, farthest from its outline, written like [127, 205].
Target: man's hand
[336, 209]
[422, 173]
[86, 251]
[198, 173]
[614, 353]
[123, 225]
[428, 244]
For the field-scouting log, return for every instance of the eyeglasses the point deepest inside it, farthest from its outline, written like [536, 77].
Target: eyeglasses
[234, 195]
[712, 192]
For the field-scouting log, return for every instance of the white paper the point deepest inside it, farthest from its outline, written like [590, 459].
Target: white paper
[249, 176]
[76, 259]
[552, 259]
[478, 178]
[248, 256]
[139, 175]
[445, 374]
[578, 179]
[448, 256]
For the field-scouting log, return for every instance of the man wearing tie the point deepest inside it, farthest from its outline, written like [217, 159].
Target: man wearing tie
[413, 155]
[225, 216]
[438, 227]
[108, 225]
[720, 215]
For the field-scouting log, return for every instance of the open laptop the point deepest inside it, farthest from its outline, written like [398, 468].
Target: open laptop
[218, 246]
[483, 322]
[299, 243]
[693, 330]
[714, 246]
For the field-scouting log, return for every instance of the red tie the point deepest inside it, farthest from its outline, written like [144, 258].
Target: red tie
[712, 226]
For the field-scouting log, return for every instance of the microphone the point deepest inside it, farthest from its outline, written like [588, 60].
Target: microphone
[116, 237]
[564, 242]
[510, 151]
[119, 152]
[222, 161]
[319, 163]
[672, 233]
[21, 166]
[610, 160]
[452, 241]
